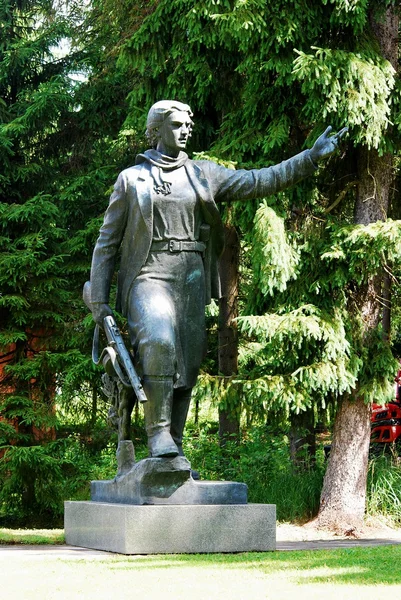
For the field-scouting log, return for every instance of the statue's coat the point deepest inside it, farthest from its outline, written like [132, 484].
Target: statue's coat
[128, 221]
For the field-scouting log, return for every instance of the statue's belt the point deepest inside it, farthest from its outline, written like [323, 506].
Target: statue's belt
[177, 246]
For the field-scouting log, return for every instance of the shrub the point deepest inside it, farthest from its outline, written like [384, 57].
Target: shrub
[384, 488]
[262, 461]
[35, 480]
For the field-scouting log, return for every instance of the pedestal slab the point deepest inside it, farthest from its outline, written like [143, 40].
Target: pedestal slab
[171, 529]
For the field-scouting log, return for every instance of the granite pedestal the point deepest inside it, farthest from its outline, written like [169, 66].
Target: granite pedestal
[154, 507]
[171, 529]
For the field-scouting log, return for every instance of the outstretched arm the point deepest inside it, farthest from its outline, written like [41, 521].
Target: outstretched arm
[326, 144]
[228, 184]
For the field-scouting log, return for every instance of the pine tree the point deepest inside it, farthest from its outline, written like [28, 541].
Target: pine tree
[263, 80]
[269, 77]
[344, 490]
[37, 101]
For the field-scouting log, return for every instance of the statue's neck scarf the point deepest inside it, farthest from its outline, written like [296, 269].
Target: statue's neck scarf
[160, 163]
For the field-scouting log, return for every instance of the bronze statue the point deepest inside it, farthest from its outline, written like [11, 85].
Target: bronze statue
[163, 217]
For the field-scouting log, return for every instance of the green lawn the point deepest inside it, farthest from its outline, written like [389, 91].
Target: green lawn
[32, 536]
[367, 573]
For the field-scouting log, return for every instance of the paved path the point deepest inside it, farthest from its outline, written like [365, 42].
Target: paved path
[44, 550]
[73, 552]
[330, 544]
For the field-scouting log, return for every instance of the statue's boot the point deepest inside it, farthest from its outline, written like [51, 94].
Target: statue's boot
[157, 409]
[179, 413]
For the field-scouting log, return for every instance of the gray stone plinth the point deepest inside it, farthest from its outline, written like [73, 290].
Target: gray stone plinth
[169, 529]
[166, 481]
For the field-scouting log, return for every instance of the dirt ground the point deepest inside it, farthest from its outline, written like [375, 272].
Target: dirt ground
[373, 529]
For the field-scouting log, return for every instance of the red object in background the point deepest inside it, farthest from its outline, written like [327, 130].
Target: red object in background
[386, 420]
[36, 342]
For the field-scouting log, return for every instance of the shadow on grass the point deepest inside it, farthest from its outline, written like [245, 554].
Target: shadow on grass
[348, 566]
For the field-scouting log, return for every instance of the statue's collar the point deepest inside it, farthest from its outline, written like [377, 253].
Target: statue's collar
[166, 163]
[159, 163]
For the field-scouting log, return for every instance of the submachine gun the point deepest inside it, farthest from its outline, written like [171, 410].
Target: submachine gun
[116, 360]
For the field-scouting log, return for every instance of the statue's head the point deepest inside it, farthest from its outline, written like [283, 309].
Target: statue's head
[160, 112]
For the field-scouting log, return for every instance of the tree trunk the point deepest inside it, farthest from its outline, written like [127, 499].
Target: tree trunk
[342, 502]
[302, 440]
[93, 406]
[386, 320]
[343, 498]
[229, 424]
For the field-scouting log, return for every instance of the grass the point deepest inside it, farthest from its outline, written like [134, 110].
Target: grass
[384, 488]
[31, 536]
[360, 572]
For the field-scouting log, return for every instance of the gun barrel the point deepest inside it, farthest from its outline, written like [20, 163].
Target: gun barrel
[115, 339]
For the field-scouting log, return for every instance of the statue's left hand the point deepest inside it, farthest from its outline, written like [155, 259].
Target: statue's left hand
[326, 144]
[100, 311]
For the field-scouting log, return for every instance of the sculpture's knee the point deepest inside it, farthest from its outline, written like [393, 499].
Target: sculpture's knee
[159, 356]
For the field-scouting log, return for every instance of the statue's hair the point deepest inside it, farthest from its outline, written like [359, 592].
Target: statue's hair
[158, 113]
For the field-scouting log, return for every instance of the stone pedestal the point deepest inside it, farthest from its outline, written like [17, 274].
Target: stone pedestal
[171, 529]
[155, 507]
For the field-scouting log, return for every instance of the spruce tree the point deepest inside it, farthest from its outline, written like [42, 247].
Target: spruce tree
[265, 79]
[37, 101]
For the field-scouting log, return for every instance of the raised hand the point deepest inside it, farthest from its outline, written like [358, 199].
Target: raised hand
[326, 144]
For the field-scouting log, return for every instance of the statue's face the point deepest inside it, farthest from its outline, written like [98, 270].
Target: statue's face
[174, 133]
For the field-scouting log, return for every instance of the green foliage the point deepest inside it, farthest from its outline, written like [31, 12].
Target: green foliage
[239, 62]
[261, 461]
[285, 343]
[384, 488]
[54, 140]
[366, 250]
[358, 86]
[275, 259]
[309, 348]
[32, 481]
[261, 78]
[37, 479]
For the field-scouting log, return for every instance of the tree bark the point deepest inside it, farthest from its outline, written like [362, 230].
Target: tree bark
[229, 423]
[93, 407]
[343, 498]
[302, 440]
[386, 319]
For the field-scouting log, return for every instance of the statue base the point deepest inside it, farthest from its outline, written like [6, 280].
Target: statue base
[171, 529]
[156, 507]
[166, 481]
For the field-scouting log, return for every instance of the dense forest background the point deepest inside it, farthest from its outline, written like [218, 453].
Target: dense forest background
[306, 335]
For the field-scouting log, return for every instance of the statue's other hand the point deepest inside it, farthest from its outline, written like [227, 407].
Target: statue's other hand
[100, 311]
[326, 144]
